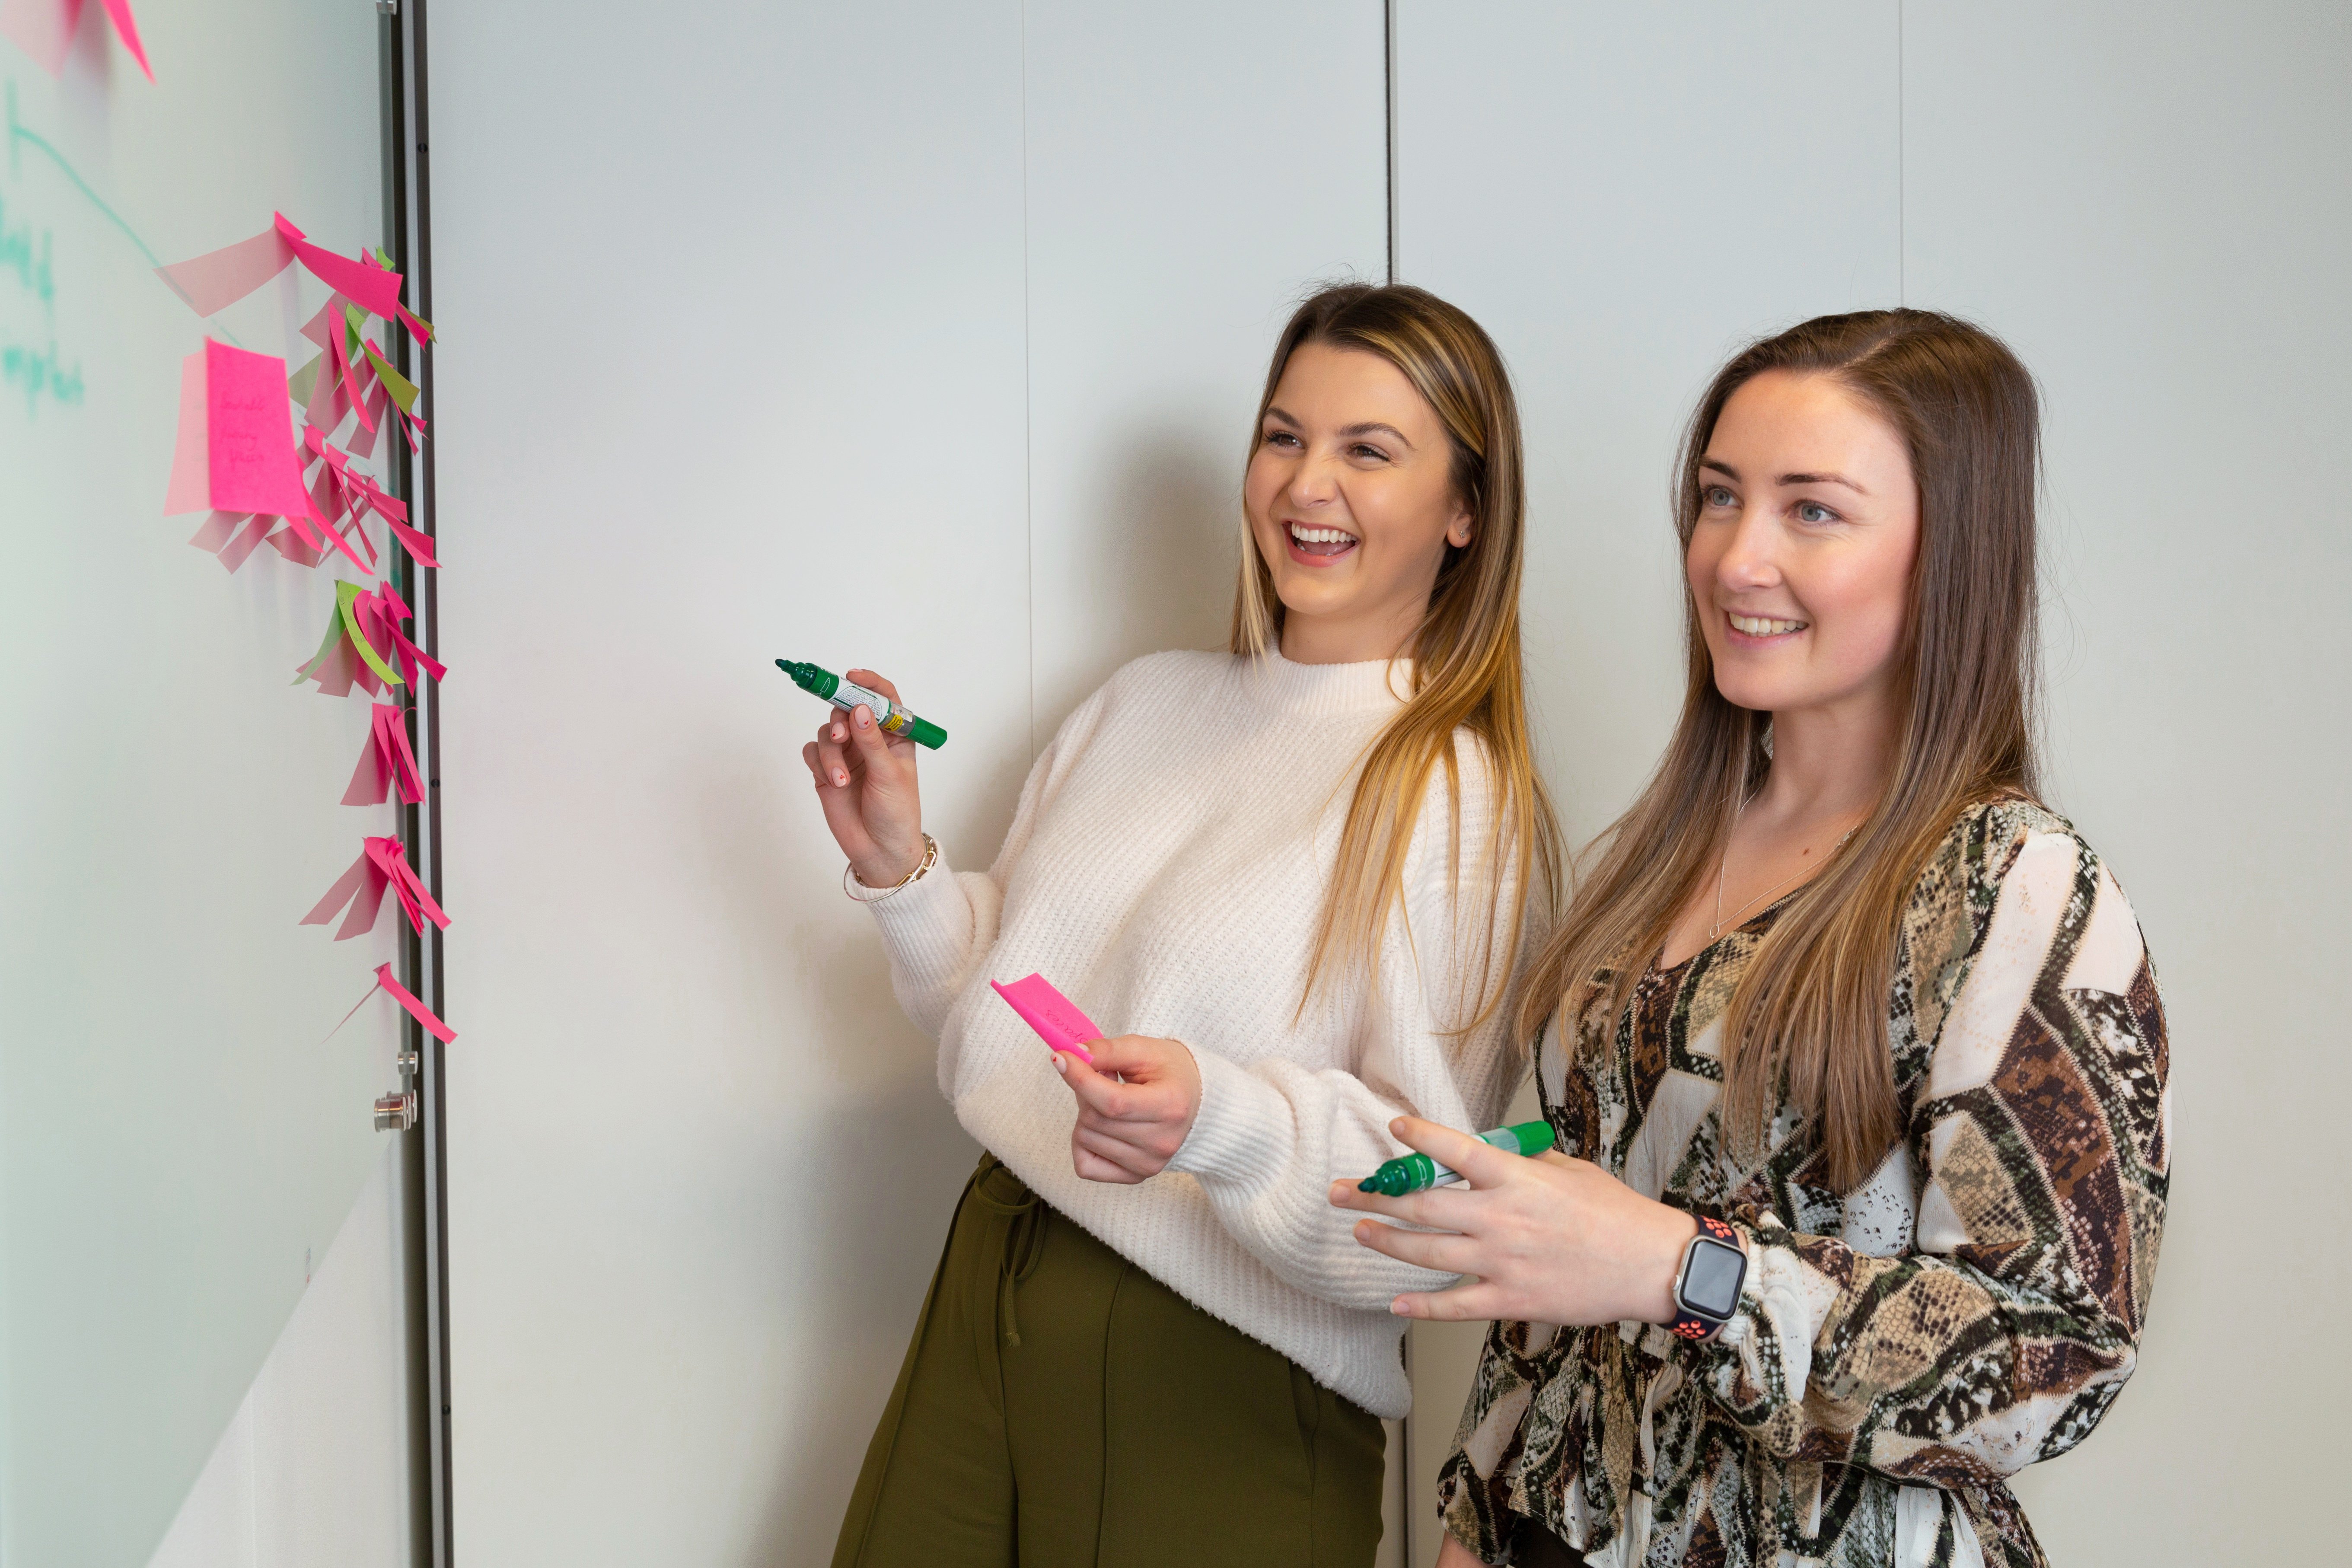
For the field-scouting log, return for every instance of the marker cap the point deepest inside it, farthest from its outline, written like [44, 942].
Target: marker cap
[812, 678]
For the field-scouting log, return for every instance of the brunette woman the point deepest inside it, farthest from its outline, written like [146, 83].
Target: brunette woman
[1855, 1043]
[1291, 877]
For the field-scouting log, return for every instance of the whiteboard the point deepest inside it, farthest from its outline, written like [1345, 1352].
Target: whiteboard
[179, 1139]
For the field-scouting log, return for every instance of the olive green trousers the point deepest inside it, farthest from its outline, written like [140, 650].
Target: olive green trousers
[1060, 1408]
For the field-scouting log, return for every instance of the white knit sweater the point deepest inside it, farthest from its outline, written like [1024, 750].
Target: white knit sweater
[1166, 870]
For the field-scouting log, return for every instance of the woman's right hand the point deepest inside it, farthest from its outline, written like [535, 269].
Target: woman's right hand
[865, 782]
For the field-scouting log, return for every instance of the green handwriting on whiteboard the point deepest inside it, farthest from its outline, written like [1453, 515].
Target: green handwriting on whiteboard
[24, 259]
[36, 373]
[20, 137]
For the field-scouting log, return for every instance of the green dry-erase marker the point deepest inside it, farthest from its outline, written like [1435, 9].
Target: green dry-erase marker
[1412, 1172]
[847, 694]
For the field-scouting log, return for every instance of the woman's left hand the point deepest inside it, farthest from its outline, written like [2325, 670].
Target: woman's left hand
[1136, 1106]
[1550, 1240]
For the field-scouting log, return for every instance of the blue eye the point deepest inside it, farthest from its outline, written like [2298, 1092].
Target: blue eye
[1715, 495]
[1814, 512]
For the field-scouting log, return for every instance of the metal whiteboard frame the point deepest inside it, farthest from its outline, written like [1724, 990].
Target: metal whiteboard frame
[408, 223]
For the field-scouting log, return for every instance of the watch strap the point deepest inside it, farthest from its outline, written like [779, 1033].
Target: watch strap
[1688, 1322]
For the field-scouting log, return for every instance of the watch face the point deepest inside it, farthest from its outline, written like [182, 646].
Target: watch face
[1711, 1283]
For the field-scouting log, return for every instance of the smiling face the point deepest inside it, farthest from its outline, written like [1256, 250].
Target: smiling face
[1800, 563]
[1351, 502]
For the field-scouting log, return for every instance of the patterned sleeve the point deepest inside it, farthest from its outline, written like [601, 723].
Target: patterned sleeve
[2031, 1044]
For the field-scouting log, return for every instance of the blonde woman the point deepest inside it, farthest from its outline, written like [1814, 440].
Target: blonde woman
[1290, 878]
[1856, 1043]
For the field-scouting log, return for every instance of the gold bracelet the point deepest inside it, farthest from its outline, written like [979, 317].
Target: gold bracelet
[849, 874]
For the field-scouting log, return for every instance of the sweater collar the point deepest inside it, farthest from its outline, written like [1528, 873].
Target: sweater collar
[1378, 686]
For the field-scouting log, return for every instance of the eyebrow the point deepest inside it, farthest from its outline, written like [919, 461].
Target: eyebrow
[1719, 465]
[1369, 428]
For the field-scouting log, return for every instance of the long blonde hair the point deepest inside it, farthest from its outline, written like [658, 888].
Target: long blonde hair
[1466, 672]
[1807, 1025]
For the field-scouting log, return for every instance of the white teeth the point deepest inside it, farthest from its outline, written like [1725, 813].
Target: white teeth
[1764, 626]
[1320, 535]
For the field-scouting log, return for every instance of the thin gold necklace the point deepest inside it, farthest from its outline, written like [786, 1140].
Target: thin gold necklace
[1723, 861]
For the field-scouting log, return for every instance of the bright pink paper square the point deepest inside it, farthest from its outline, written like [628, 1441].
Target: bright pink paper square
[249, 434]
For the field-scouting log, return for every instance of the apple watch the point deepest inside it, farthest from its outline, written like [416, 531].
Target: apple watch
[1706, 1286]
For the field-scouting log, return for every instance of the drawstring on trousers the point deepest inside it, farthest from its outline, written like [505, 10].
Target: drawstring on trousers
[1024, 1239]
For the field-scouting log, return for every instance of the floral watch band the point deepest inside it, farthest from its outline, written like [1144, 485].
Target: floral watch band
[1690, 1323]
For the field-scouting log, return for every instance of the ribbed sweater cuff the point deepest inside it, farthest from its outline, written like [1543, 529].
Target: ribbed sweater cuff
[1243, 1133]
[927, 927]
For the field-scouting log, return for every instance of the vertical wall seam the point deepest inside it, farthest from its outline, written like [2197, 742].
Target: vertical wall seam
[1028, 416]
[1389, 124]
[1902, 169]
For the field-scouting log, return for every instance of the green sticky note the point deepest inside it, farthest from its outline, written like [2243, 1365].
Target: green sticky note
[304, 382]
[415, 320]
[346, 600]
[402, 390]
[326, 646]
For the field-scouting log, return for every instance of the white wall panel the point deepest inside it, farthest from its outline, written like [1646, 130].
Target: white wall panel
[2148, 201]
[1622, 194]
[1187, 183]
[732, 370]
[699, 1171]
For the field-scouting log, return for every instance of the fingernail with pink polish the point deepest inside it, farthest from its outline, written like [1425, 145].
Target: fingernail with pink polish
[840, 779]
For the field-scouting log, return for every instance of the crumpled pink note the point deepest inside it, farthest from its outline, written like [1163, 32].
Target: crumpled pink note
[407, 999]
[382, 863]
[364, 645]
[380, 616]
[45, 30]
[416, 1008]
[386, 762]
[343, 381]
[340, 491]
[219, 278]
[228, 461]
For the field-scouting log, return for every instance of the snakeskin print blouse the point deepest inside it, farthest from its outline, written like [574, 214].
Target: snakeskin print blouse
[1900, 1349]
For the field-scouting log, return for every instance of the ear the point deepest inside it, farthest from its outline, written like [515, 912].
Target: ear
[1461, 528]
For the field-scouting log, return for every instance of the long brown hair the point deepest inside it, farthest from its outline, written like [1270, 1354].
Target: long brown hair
[1466, 672]
[1807, 1026]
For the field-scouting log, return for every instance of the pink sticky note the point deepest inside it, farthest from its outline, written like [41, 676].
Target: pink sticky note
[407, 999]
[416, 1008]
[362, 887]
[126, 27]
[371, 288]
[233, 553]
[289, 543]
[384, 762]
[1057, 1018]
[219, 278]
[191, 488]
[249, 434]
[218, 528]
[42, 28]
[45, 30]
